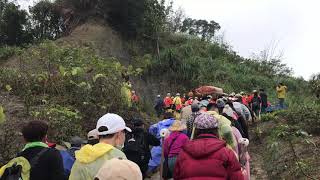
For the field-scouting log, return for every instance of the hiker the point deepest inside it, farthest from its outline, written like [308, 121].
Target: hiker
[45, 163]
[195, 113]
[134, 98]
[156, 130]
[119, 169]
[167, 101]
[68, 156]
[137, 144]
[158, 107]
[242, 109]
[93, 137]
[207, 157]
[203, 106]
[172, 147]
[89, 159]
[281, 92]
[255, 102]
[224, 128]
[230, 114]
[264, 100]
[186, 112]
[177, 103]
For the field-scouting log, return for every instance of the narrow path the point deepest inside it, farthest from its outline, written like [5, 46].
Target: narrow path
[256, 163]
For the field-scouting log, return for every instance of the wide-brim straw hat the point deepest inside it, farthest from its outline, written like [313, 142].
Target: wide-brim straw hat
[177, 126]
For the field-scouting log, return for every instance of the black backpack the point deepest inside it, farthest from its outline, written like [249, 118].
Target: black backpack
[14, 172]
[135, 146]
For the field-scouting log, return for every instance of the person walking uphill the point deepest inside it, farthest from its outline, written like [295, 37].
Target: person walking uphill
[137, 145]
[158, 106]
[281, 91]
[207, 157]
[264, 100]
[45, 163]
[173, 145]
[89, 159]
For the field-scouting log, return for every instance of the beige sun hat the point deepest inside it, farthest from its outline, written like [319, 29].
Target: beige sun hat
[177, 126]
[119, 169]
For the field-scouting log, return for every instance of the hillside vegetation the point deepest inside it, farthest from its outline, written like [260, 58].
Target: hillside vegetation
[69, 62]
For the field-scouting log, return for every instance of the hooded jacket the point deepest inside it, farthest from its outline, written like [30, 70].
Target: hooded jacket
[207, 158]
[89, 159]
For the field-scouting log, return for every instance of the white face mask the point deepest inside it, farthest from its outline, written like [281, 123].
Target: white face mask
[120, 147]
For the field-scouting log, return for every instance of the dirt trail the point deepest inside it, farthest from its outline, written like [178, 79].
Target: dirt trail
[256, 162]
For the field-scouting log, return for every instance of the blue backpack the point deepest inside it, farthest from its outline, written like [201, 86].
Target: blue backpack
[68, 161]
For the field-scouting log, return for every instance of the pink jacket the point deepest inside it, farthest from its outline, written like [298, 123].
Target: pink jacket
[180, 140]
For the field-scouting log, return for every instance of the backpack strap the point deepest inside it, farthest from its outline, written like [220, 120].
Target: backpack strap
[33, 162]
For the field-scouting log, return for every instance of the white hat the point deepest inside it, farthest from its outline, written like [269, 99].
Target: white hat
[113, 122]
[93, 134]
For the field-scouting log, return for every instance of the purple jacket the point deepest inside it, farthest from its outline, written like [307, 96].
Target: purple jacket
[176, 147]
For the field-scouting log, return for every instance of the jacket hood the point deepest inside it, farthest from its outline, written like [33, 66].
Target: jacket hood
[203, 147]
[89, 153]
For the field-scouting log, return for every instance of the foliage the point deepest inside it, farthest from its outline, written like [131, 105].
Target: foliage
[63, 122]
[14, 24]
[305, 116]
[8, 51]
[268, 117]
[206, 30]
[46, 20]
[315, 85]
[68, 77]
[192, 62]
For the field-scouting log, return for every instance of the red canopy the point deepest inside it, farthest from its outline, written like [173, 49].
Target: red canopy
[208, 90]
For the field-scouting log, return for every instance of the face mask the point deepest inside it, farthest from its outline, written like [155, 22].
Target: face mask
[120, 147]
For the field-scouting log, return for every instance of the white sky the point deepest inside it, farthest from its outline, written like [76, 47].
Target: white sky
[252, 25]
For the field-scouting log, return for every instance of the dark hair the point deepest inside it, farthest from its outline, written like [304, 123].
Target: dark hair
[35, 131]
[198, 132]
[93, 141]
[212, 106]
[261, 90]
[168, 115]
[107, 136]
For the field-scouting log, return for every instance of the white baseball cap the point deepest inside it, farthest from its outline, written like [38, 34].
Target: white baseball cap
[113, 122]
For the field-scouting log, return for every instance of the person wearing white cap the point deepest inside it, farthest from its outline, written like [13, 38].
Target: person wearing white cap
[90, 158]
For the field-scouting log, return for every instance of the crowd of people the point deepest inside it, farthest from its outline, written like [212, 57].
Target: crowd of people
[207, 138]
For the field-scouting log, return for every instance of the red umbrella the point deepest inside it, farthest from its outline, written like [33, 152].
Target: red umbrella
[208, 90]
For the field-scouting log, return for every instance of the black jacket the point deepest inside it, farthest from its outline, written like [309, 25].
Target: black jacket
[49, 166]
[149, 140]
[264, 99]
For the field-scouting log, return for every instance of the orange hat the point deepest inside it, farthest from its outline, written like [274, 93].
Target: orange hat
[119, 169]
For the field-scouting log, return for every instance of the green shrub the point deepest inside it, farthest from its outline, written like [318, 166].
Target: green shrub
[63, 122]
[8, 51]
[268, 117]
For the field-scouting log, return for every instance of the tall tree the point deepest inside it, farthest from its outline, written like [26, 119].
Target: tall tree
[46, 20]
[14, 25]
[206, 30]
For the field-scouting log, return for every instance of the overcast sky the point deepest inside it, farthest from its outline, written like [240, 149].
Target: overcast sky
[254, 25]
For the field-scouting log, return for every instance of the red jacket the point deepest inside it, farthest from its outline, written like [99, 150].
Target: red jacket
[207, 158]
[167, 101]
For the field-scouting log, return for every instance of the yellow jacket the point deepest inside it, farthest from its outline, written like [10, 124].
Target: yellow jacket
[89, 159]
[177, 100]
[282, 91]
